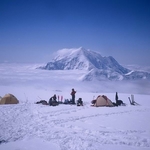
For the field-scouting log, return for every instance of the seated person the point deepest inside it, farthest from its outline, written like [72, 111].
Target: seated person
[53, 101]
[79, 102]
[94, 100]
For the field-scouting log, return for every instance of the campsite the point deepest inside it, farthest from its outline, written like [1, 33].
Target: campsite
[74, 74]
[27, 125]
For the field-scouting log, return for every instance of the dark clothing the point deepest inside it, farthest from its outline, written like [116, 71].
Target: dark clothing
[54, 98]
[80, 102]
[115, 104]
[73, 96]
[116, 97]
[53, 101]
[93, 101]
[118, 102]
[42, 102]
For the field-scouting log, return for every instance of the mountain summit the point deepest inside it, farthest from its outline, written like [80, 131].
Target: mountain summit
[82, 59]
[97, 67]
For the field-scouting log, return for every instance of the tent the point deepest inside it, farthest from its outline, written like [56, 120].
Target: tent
[9, 99]
[103, 101]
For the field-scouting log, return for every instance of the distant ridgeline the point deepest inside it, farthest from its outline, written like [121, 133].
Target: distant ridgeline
[97, 67]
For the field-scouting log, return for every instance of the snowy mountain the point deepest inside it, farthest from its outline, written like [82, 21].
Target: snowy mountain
[30, 126]
[82, 59]
[97, 66]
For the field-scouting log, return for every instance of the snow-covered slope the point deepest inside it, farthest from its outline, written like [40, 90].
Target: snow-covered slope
[28, 126]
[82, 59]
[97, 67]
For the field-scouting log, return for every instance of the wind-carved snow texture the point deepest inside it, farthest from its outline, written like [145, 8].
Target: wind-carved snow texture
[32, 126]
[65, 127]
[98, 67]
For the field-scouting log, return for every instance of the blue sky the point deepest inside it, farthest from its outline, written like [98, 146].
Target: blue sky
[31, 30]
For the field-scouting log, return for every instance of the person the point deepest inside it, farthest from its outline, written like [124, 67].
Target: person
[73, 92]
[79, 102]
[116, 97]
[94, 100]
[53, 101]
[118, 102]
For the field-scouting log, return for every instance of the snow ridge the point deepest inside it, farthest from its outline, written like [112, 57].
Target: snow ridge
[97, 66]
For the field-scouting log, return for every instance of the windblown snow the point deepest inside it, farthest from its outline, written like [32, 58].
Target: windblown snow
[30, 126]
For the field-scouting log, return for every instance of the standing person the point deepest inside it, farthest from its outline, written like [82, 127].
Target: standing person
[73, 92]
[119, 102]
[116, 97]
